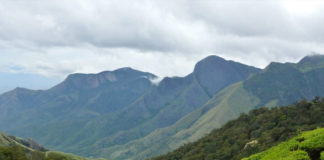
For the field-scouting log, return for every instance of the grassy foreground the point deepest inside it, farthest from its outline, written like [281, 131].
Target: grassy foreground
[307, 146]
[14, 148]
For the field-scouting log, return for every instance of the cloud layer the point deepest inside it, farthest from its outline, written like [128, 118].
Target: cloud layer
[166, 37]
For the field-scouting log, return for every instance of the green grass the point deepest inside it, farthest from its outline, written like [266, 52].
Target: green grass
[226, 105]
[14, 148]
[53, 155]
[308, 145]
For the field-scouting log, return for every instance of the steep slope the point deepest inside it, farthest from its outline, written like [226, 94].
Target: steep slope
[285, 83]
[86, 94]
[192, 126]
[14, 148]
[215, 73]
[254, 132]
[306, 146]
[278, 84]
[166, 103]
[89, 114]
[49, 115]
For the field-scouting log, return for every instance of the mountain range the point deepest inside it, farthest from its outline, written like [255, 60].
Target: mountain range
[121, 114]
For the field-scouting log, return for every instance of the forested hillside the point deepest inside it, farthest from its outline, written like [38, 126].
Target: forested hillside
[254, 132]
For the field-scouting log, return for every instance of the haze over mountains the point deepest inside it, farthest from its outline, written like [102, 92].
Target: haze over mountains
[121, 114]
[9, 81]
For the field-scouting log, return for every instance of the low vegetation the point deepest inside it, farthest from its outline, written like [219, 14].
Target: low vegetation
[13, 148]
[307, 146]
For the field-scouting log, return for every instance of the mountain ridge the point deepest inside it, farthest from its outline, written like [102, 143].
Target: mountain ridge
[157, 106]
[178, 109]
[175, 89]
[241, 98]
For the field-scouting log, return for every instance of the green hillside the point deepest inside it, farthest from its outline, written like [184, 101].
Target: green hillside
[78, 99]
[192, 126]
[254, 132]
[13, 148]
[121, 115]
[91, 114]
[277, 84]
[306, 146]
[285, 83]
[161, 107]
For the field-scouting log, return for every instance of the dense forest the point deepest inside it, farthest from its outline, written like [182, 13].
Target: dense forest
[254, 132]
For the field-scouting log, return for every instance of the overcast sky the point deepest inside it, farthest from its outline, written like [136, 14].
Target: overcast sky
[166, 37]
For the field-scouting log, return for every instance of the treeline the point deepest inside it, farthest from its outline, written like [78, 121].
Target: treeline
[254, 132]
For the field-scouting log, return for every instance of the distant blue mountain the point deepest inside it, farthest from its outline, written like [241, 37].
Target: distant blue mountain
[9, 81]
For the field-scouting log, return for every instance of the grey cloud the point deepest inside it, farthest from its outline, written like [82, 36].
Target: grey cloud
[149, 25]
[251, 31]
[136, 25]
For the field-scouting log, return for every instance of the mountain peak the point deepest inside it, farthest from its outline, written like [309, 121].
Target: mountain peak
[313, 58]
[213, 57]
[20, 90]
[210, 61]
[127, 72]
[125, 69]
[311, 62]
[214, 73]
[79, 80]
